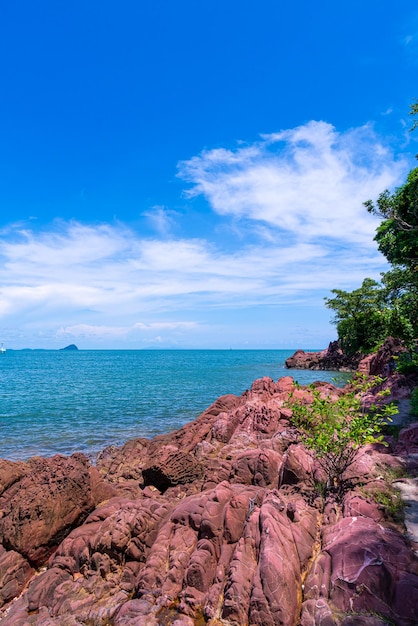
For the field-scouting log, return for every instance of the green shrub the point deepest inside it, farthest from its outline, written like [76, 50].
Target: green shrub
[335, 430]
[390, 500]
[407, 363]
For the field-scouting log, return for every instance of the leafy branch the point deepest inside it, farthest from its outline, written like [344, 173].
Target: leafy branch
[335, 430]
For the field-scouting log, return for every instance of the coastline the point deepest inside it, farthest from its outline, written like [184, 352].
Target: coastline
[174, 529]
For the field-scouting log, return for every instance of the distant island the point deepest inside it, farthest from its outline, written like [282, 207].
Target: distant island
[72, 346]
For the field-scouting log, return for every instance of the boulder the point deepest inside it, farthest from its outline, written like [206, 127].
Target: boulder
[305, 360]
[11, 472]
[175, 469]
[383, 362]
[15, 572]
[362, 569]
[40, 509]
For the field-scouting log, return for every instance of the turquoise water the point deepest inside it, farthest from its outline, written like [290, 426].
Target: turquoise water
[62, 402]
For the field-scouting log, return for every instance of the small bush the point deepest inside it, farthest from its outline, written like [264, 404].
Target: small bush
[335, 430]
[390, 500]
[407, 363]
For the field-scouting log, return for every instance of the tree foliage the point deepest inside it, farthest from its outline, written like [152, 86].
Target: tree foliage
[414, 112]
[397, 235]
[360, 316]
[366, 316]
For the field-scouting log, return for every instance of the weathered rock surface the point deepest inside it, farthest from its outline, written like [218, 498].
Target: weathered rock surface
[48, 500]
[217, 523]
[333, 358]
[15, 572]
[382, 363]
[174, 468]
[363, 568]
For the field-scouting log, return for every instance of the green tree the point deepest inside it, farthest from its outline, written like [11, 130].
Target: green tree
[397, 239]
[366, 316]
[401, 293]
[397, 235]
[360, 316]
[414, 112]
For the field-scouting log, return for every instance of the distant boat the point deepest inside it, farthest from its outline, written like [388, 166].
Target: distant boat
[2, 349]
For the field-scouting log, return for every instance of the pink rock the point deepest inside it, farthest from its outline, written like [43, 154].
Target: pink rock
[381, 362]
[172, 469]
[283, 547]
[41, 508]
[365, 568]
[408, 440]
[305, 360]
[264, 387]
[15, 572]
[285, 384]
[260, 467]
[355, 505]
[333, 358]
[11, 472]
[224, 426]
[298, 466]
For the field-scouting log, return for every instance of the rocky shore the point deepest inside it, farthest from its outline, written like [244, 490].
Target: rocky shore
[335, 359]
[218, 523]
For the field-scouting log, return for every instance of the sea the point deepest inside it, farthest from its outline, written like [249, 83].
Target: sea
[60, 402]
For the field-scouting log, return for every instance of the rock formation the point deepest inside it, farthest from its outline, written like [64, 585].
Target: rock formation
[333, 359]
[382, 363]
[219, 523]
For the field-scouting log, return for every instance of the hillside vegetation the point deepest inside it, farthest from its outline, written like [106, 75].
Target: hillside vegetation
[366, 316]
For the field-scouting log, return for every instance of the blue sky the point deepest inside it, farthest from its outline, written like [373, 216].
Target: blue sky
[191, 174]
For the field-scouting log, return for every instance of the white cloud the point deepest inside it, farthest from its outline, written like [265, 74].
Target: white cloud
[309, 182]
[161, 219]
[89, 331]
[297, 194]
[165, 325]
[138, 334]
[130, 288]
[106, 332]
